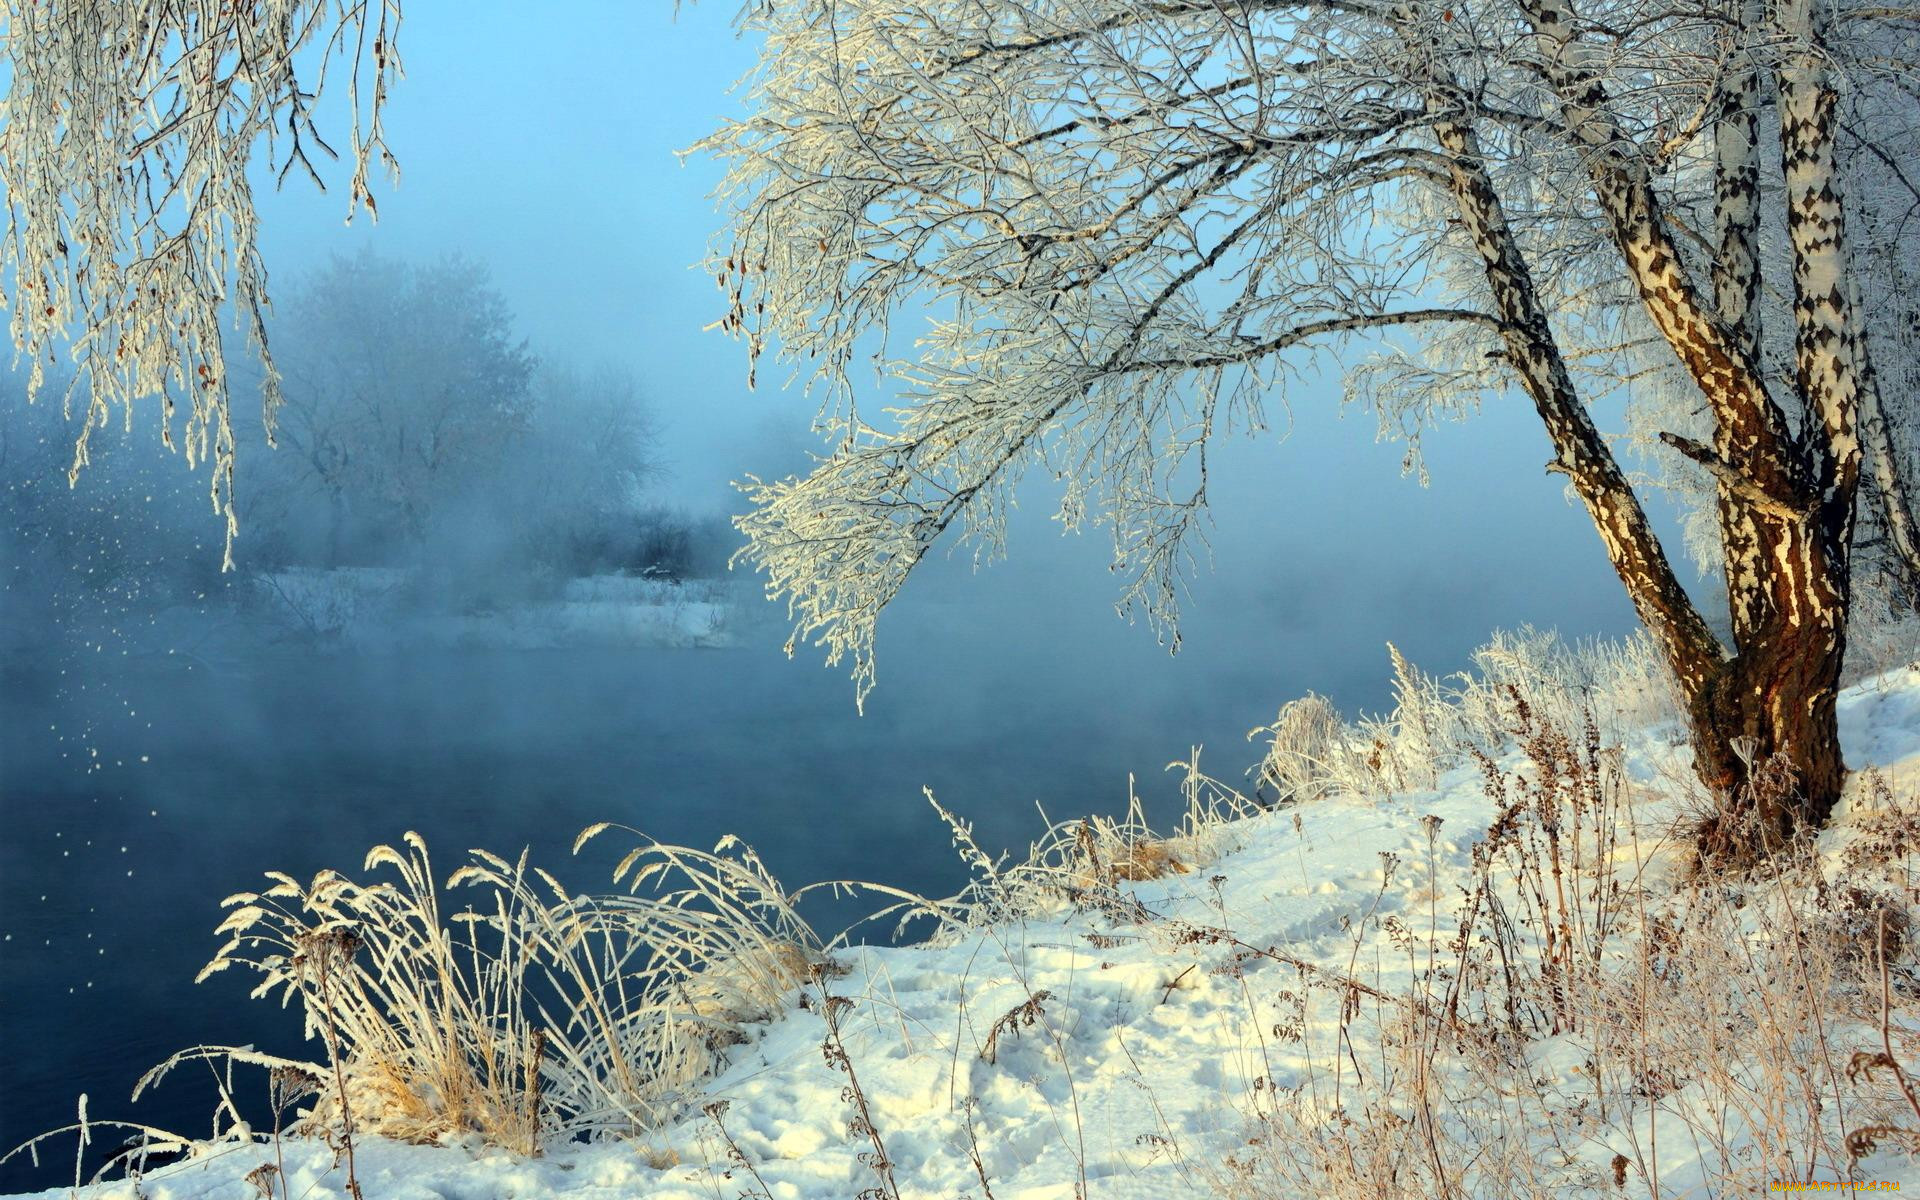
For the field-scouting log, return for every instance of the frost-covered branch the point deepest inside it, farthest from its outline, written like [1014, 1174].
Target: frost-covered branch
[1123, 217]
[128, 135]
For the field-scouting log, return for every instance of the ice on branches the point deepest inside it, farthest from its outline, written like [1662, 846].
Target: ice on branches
[128, 137]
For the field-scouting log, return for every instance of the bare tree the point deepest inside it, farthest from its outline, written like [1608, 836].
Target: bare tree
[404, 386]
[127, 139]
[1132, 221]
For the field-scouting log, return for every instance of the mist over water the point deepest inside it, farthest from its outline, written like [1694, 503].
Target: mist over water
[148, 770]
[160, 747]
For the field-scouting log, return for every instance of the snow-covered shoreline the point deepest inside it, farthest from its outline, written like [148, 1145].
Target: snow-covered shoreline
[372, 608]
[1129, 1042]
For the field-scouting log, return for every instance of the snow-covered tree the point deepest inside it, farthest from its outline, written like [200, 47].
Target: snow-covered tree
[403, 389]
[1883, 173]
[129, 132]
[416, 425]
[1133, 221]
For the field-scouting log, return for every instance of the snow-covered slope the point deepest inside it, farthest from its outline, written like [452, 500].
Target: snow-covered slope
[1154, 1038]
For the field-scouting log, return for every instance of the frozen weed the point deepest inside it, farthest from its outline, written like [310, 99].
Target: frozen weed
[1579, 1027]
[532, 1013]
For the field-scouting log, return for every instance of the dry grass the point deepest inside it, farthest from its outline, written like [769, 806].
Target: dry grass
[1437, 724]
[531, 1012]
[1581, 1028]
[1080, 863]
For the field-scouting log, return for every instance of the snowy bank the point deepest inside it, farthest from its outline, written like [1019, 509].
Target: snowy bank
[1356, 994]
[377, 608]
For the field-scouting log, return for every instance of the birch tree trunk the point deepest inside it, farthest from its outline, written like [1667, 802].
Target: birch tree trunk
[1785, 503]
[1893, 495]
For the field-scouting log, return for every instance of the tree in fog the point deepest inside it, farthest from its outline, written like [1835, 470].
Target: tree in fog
[1133, 223]
[131, 137]
[570, 496]
[402, 388]
[591, 450]
[417, 427]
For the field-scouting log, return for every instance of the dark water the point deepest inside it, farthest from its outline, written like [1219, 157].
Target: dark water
[140, 792]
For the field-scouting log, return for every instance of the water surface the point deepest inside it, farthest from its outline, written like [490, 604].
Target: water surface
[141, 796]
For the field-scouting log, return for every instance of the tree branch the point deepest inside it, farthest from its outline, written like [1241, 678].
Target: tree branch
[1732, 478]
[1290, 338]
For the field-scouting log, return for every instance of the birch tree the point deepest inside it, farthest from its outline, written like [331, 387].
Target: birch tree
[1879, 139]
[1877, 134]
[1133, 224]
[1890, 429]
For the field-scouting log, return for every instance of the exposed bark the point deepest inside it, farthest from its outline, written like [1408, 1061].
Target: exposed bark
[1792, 667]
[1579, 451]
[1707, 676]
[1756, 430]
[1736, 210]
[1892, 494]
[1827, 347]
[1785, 504]
[1736, 287]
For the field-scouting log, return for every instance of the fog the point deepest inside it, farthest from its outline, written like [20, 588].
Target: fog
[170, 732]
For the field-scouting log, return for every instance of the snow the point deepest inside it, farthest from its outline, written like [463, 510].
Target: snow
[379, 608]
[1135, 1070]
